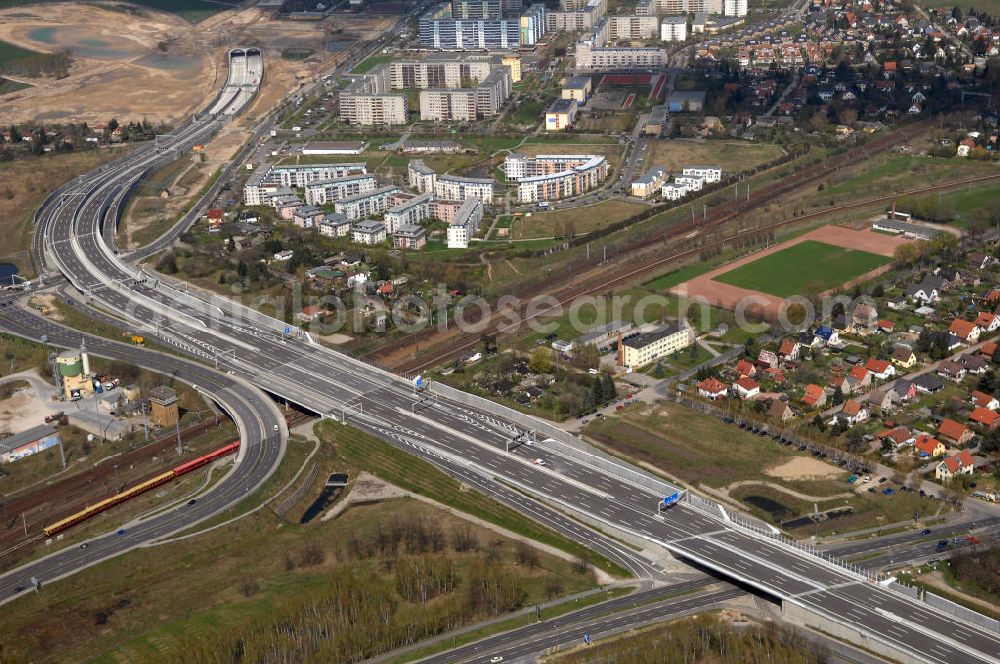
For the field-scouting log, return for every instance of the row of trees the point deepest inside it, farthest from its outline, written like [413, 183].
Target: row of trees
[38, 64]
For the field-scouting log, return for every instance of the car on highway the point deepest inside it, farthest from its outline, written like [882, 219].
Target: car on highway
[192, 501]
[539, 462]
[120, 532]
[84, 545]
[496, 660]
[925, 531]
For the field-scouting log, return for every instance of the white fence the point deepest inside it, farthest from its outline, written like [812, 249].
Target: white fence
[562, 442]
[961, 612]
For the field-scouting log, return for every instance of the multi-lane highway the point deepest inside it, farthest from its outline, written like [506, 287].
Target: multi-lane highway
[468, 441]
[262, 432]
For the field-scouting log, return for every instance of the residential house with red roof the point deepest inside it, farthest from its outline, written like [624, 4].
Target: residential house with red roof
[851, 413]
[712, 388]
[898, 437]
[967, 331]
[788, 350]
[745, 368]
[928, 446]
[988, 322]
[881, 369]
[983, 400]
[814, 397]
[955, 432]
[746, 388]
[959, 464]
[985, 418]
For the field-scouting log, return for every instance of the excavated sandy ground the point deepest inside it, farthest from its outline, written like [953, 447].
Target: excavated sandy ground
[125, 76]
[119, 71]
[804, 468]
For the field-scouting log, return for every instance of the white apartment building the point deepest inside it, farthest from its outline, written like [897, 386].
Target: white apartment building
[674, 28]
[301, 175]
[409, 212]
[465, 224]
[419, 176]
[335, 225]
[467, 104]
[709, 173]
[438, 73]
[456, 188]
[607, 58]
[367, 101]
[368, 232]
[632, 28]
[692, 182]
[642, 349]
[576, 15]
[554, 176]
[672, 191]
[324, 192]
[271, 181]
[734, 7]
[367, 204]
[675, 7]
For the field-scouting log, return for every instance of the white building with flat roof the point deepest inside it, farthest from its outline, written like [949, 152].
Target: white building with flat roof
[457, 188]
[367, 204]
[692, 182]
[419, 176]
[465, 224]
[673, 191]
[324, 192]
[711, 174]
[409, 212]
[369, 232]
[674, 29]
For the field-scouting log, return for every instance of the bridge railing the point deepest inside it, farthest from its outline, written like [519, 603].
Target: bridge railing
[561, 442]
[961, 612]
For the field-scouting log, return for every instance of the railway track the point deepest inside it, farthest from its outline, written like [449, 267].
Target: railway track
[555, 285]
[460, 345]
[69, 495]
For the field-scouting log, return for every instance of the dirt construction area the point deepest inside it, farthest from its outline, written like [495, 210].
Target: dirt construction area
[133, 63]
[729, 297]
[804, 468]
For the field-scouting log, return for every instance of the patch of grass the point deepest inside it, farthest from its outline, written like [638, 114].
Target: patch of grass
[513, 623]
[576, 219]
[370, 62]
[7, 86]
[807, 264]
[690, 446]
[731, 157]
[416, 475]
[194, 11]
[12, 52]
[24, 183]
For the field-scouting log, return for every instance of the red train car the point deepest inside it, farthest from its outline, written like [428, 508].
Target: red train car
[206, 459]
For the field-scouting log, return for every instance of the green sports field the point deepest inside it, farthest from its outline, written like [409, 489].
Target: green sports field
[816, 264]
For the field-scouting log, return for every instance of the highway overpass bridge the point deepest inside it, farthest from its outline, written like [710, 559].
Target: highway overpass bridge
[466, 436]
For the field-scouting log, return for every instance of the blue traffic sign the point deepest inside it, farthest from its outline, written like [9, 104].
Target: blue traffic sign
[419, 381]
[672, 498]
[288, 330]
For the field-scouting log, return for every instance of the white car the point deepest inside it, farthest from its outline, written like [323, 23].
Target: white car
[496, 659]
[867, 479]
[539, 462]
